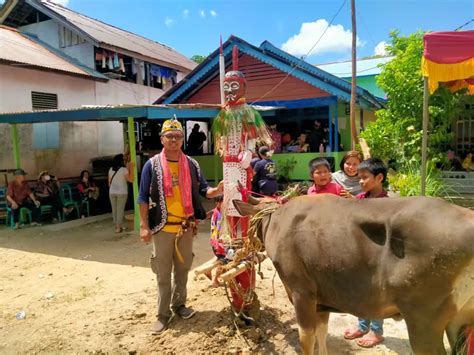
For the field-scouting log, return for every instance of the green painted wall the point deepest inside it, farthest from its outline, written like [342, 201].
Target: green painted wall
[369, 83]
[211, 165]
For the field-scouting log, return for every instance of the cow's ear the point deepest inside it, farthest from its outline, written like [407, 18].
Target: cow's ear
[244, 208]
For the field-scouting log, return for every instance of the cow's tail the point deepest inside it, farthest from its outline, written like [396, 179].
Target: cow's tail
[465, 341]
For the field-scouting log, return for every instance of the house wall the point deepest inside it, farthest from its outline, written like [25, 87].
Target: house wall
[115, 92]
[261, 78]
[344, 122]
[83, 53]
[79, 141]
[47, 31]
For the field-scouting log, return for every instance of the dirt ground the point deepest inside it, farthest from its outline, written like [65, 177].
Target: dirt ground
[85, 289]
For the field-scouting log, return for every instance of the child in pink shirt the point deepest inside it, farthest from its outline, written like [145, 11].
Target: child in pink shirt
[320, 172]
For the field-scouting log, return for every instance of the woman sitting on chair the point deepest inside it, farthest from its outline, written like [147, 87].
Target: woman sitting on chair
[88, 189]
[47, 191]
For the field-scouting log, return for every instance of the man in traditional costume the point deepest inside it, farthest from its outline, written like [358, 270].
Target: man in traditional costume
[236, 130]
[169, 205]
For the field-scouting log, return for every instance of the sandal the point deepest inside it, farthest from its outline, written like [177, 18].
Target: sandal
[370, 340]
[353, 333]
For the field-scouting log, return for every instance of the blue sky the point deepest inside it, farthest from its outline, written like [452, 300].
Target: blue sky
[193, 27]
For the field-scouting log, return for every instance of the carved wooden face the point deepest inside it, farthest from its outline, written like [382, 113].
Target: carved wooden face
[234, 86]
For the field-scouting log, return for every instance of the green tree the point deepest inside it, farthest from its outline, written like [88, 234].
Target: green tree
[198, 58]
[396, 134]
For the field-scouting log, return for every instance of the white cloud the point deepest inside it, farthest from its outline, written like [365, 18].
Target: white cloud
[169, 22]
[380, 49]
[185, 13]
[213, 13]
[61, 2]
[336, 39]
[202, 13]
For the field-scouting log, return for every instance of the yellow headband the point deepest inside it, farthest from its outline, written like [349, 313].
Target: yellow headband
[171, 125]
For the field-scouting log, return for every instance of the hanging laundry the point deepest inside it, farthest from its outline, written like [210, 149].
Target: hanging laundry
[104, 61]
[122, 64]
[142, 69]
[110, 63]
[116, 61]
[155, 70]
[165, 72]
[134, 66]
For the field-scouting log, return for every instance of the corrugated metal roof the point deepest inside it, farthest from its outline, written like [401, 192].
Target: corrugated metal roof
[364, 67]
[18, 48]
[117, 37]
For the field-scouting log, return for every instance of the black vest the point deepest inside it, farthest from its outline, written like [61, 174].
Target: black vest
[158, 213]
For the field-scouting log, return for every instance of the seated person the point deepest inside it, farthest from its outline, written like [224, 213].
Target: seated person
[265, 173]
[320, 172]
[47, 190]
[299, 145]
[20, 195]
[88, 189]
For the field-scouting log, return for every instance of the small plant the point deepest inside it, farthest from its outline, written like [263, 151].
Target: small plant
[407, 181]
[284, 170]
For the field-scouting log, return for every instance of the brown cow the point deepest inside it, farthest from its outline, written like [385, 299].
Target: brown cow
[374, 258]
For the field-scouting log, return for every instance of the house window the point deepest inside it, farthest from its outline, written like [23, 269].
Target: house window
[67, 38]
[45, 135]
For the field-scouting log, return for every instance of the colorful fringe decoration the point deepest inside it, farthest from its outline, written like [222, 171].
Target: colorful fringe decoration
[456, 76]
[253, 126]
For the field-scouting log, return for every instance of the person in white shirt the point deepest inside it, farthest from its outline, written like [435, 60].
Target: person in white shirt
[118, 189]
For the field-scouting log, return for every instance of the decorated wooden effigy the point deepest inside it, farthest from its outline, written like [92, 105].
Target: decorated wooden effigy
[236, 130]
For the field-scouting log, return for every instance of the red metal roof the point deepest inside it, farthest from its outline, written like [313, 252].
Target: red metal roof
[111, 35]
[17, 48]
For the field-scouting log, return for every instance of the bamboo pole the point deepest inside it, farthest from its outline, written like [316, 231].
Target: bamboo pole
[424, 141]
[206, 267]
[16, 146]
[354, 76]
[234, 272]
[133, 158]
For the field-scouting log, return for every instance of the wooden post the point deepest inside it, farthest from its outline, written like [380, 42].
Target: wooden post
[354, 76]
[133, 158]
[424, 141]
[16, 146]
[331, 141]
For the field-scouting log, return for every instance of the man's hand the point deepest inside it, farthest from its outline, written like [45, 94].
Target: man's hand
[14, 205]
[37, 203]
[145, 234]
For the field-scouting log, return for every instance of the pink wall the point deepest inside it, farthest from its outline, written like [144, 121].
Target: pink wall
[79, 141]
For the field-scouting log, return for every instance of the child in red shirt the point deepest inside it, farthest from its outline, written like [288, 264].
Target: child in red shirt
[320, 172]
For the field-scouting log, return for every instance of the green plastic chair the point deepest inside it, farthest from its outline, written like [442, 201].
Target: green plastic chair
[66, 198]
[48, 209]
[25, 214]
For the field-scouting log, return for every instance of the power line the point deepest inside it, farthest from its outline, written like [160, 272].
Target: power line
[467, 23]
[304, 56]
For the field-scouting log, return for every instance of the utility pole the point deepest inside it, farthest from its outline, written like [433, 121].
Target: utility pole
[354, 136]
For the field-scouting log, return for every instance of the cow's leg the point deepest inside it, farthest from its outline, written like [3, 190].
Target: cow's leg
[426, 334]
[305, 309]
[322, 319]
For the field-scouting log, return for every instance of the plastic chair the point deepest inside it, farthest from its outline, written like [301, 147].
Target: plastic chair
[24, 214]
[3, 204]
[85, 203]
[47, 209]
[67, 199]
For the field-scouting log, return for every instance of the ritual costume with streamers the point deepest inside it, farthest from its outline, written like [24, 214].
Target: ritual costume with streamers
[236, 130]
